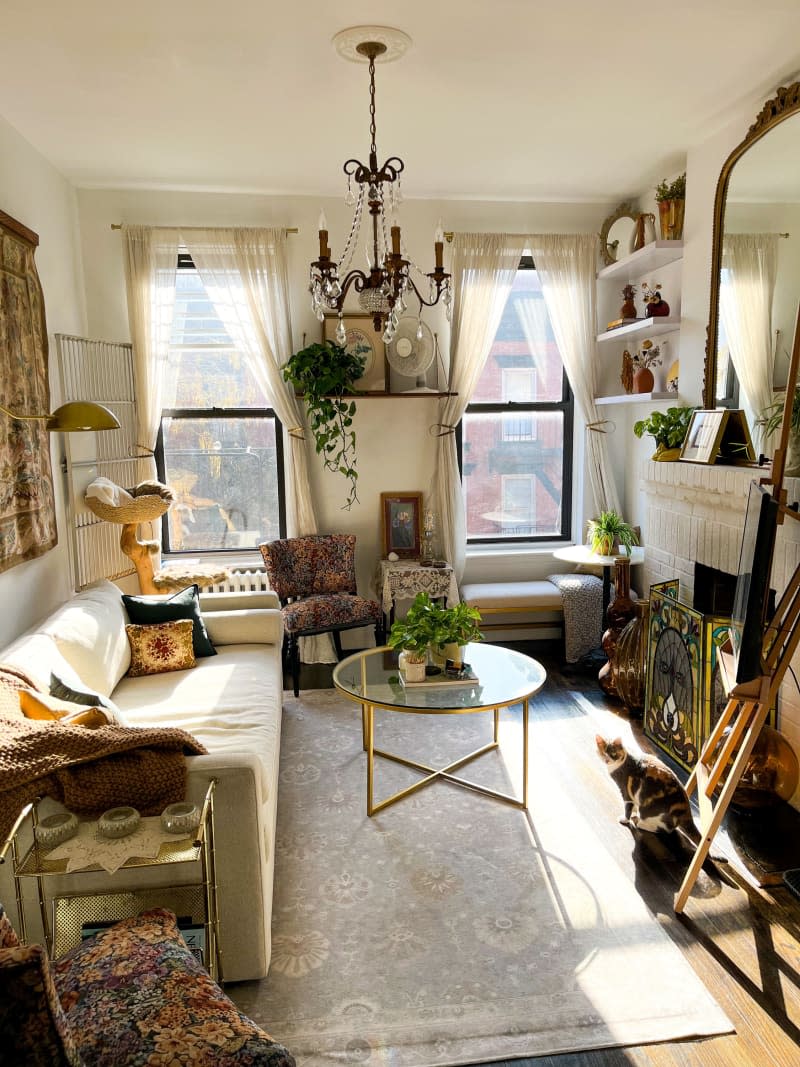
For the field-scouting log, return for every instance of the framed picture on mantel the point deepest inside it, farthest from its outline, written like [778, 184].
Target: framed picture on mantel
[719, 435]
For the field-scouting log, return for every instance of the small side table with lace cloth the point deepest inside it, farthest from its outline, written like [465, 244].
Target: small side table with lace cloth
[402, 579]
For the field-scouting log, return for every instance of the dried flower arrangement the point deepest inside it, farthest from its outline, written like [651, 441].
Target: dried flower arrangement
[649, 355]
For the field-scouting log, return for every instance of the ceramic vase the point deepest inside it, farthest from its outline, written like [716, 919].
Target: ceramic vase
[670, 217]
[452, 651]
[643, 380]
[412, 665]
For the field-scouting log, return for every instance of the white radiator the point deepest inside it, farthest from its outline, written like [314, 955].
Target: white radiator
[243, 582]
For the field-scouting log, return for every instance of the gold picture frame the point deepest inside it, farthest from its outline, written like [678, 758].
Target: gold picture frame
[718, 435]
[401, 515]
[362, 340]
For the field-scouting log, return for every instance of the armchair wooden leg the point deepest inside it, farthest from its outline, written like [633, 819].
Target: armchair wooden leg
[294, 663]
[337, 643]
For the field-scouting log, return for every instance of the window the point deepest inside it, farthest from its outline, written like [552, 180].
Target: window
[220, 445]
[516, 434]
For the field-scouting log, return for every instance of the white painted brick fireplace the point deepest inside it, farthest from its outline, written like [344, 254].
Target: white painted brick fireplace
[695, 514]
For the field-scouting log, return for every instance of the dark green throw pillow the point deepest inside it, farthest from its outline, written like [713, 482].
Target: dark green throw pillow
[62, 691]
[183, 605]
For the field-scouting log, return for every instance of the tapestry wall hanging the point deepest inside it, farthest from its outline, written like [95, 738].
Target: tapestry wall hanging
[27, 507]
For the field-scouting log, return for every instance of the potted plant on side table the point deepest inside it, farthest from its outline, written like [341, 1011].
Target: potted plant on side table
[609, 531]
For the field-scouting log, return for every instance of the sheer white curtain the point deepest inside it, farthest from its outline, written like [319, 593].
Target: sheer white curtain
[484, 266]
[747, 286]
[151, 261]
[245, 275]
[567, 266]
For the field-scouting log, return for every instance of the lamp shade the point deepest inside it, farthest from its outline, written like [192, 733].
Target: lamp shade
[76, 415]
[81, 415]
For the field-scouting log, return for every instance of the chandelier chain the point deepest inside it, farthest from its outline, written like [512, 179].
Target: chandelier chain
[372, 126]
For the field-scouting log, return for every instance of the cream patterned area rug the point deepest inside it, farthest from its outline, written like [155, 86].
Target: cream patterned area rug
[450, 928]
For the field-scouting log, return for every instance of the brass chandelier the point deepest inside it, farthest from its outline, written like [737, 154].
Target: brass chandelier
[387, 285]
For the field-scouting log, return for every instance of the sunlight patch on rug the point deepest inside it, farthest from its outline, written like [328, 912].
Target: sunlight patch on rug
[449, 928]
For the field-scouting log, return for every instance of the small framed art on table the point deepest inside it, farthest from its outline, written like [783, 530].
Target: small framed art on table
[400, 513]
[362, 340]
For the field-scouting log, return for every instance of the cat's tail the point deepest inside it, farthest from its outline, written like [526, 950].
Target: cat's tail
[689, 830]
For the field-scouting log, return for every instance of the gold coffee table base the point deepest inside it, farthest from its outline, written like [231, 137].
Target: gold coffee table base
[433, 773]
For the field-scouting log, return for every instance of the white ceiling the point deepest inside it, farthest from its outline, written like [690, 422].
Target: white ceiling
[497, 99]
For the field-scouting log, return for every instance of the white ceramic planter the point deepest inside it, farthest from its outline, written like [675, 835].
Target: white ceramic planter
[412, 668]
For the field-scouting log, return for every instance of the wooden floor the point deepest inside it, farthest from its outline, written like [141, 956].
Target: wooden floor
[742, 941]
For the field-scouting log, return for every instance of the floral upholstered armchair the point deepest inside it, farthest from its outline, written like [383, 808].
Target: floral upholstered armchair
[131, 995]
[315, 579]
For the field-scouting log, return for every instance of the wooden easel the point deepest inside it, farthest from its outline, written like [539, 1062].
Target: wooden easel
[724, 759]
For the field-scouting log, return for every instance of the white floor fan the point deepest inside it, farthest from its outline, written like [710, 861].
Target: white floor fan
[410, 354]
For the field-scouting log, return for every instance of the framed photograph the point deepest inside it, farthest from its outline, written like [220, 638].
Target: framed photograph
[401, 515]
[703, 436]
[362, 340]
[719, 435]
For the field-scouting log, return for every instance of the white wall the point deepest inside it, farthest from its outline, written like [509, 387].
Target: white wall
[396, 448]
[34, 193]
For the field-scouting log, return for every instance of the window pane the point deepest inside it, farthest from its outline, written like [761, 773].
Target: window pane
[524, 362]
[512, 478]
[204, 369]
[224, 471]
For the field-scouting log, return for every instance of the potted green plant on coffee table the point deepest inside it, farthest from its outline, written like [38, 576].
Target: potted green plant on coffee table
[430, 626]
[412, 636]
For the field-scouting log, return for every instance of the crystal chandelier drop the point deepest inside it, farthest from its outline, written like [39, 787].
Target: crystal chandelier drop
[387, 285]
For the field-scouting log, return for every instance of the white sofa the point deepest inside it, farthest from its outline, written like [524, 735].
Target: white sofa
[230, 702]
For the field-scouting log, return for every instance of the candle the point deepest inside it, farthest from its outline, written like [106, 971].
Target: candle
[395, 240]
[324, 251]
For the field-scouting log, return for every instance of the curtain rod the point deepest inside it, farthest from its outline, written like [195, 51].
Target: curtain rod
[119, 225]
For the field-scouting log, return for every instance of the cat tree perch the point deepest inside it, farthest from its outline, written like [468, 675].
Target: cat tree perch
[129, 510]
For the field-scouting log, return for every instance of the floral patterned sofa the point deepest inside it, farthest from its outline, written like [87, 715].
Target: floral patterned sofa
[130, 996]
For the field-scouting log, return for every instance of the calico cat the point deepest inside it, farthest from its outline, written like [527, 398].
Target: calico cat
[654, 797]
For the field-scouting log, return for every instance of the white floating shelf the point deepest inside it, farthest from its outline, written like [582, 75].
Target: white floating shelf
[634, 398]
[655, 326]
[656, 254]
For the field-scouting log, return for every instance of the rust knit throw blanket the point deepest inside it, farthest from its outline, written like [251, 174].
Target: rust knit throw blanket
[90, 770]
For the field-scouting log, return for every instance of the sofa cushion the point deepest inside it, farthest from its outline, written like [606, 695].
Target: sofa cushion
[89, 631]
[162, 647]
[227, 702]
[43, 706]
[59, 690]
[185, 604]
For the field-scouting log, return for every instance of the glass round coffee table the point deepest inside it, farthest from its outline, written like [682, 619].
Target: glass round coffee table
[371, 678]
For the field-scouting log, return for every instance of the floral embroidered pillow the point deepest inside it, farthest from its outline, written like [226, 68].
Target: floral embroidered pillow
[165, 646]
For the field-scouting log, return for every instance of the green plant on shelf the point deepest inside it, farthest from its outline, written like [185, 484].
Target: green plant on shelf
[325, 375]
[668, 428]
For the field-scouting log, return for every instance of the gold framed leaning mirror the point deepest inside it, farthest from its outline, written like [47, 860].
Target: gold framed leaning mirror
[758, 193]
[616, 233]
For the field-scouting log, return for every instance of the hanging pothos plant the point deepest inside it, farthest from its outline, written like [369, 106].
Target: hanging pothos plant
[324, 374]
